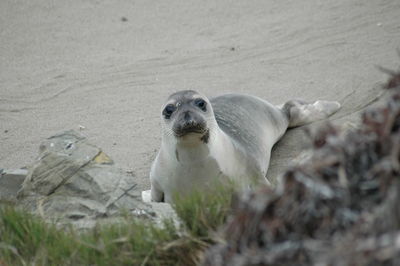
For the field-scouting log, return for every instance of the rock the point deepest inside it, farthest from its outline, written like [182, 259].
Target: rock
[11, 182]
[73, 181]
[164, 211]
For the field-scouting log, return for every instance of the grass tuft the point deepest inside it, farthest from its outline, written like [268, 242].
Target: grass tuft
[27, 240]
[202, 213]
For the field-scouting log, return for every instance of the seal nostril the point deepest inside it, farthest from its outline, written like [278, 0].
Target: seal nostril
[187, 116]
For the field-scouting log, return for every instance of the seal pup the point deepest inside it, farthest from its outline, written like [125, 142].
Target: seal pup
[228, 137]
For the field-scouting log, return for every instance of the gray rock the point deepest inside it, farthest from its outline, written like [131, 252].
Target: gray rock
[164, 211]
[74, 182]
[10, 182]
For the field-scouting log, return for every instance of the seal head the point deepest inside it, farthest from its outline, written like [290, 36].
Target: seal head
[187, 116]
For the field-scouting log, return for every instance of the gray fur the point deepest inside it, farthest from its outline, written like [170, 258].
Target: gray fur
[244, 118]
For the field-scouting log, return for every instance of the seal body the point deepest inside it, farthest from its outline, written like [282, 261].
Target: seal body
[226, 138]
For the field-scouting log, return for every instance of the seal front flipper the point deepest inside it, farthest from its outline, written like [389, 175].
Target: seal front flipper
[157, 194]
[146, 196]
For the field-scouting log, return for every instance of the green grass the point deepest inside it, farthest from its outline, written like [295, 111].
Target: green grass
[202, 213]
[28, 240]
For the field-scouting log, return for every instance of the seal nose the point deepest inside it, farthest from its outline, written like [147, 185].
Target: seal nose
[189, 122]
[188, 119]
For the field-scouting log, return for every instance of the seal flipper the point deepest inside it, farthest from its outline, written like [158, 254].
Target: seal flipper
[146, 196]
[156, 193]
[301, 113]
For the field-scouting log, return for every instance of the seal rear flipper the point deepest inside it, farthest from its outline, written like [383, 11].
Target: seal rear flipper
[301, 113]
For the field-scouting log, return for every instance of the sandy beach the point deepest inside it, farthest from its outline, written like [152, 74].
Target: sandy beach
[107, 67]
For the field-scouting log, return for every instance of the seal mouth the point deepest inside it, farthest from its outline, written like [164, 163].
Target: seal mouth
[189, 122]
[190, 129]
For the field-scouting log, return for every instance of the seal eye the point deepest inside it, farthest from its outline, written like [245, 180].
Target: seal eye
[168, 110]
[201, 104]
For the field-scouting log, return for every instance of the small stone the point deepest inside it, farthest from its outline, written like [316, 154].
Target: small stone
[124, 19]
[103, 158]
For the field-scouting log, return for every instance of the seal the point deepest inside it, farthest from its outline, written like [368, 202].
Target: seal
[228, 137]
